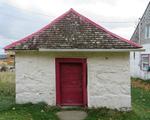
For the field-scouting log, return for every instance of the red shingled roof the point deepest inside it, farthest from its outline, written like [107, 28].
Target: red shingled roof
[36, 40]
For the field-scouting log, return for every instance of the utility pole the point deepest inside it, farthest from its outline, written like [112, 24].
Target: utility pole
[140, 31]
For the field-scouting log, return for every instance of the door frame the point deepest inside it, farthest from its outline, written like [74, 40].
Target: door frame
[83, 61]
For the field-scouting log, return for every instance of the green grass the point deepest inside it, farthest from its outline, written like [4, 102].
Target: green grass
[11, 111]
[29, 111]
[7, 83]
[107, 114]
[7, 90]
[141, 103]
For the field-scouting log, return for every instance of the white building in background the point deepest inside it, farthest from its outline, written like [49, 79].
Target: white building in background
[140, 61]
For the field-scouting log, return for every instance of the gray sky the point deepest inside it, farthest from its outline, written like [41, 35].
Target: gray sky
[19, 18]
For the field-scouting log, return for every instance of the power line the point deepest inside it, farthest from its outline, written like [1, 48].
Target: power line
[113, 22]
[39, 13]
[21, 17]
[118, 22]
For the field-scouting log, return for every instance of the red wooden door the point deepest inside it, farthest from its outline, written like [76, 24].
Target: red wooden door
[71, 82]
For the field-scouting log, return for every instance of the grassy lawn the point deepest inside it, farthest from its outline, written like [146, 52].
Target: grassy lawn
[7, 90]
[141, 99]
[29, 112]
[10, 111]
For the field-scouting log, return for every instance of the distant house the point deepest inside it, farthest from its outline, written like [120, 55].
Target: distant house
[3, 57]
[7, 59]
[140, 61]
[73, 62]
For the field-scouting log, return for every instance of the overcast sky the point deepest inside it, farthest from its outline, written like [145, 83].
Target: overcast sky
[19, 18]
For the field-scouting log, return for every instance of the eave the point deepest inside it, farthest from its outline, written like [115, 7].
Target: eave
[89, 50]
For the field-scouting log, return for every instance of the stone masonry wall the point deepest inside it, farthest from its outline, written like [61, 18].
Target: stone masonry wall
[108, 78]
[109, 82]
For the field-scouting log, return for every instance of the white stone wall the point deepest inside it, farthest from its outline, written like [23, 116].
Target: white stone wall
[35, 79]
[135, 63]
[109, 81]
[108, 78]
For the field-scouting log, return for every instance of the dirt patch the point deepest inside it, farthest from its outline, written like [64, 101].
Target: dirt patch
[141, 84]
[72, 115]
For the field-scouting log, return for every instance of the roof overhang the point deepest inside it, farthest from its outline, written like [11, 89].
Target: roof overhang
[90, 50]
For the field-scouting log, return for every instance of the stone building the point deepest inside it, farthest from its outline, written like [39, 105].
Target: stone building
[73, 62]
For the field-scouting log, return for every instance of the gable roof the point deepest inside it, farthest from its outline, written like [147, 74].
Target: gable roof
[69, 31]
[135, 36]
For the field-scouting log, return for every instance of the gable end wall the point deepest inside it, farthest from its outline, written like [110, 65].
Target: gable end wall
[145, 20]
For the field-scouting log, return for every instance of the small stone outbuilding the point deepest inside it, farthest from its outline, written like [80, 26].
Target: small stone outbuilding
[73, 62]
